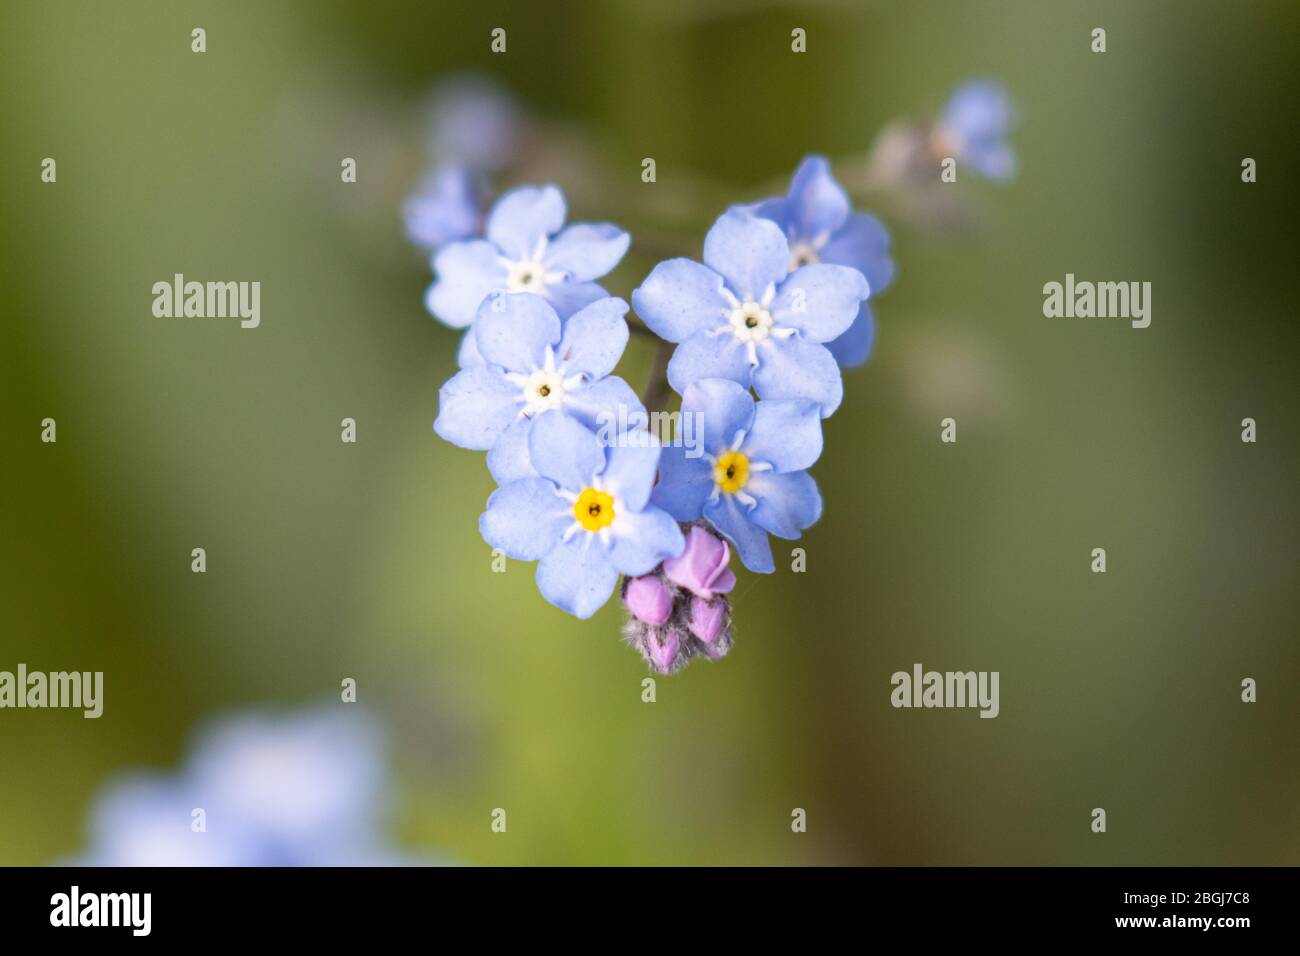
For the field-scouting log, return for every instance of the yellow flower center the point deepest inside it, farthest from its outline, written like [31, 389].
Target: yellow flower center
[594, 509]
[731, 471]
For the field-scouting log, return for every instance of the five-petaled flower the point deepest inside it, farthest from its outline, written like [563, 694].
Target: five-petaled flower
[534, 364]
[743, 316]
[973, 128]
[821, 226]
[526, 249]
[586, 519]
[751, 480]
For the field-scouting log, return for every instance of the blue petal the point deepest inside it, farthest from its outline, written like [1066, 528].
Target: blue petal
[445, 209]
[820, 203]
[722, 408]
[749, 253]
[630, 473]
[468, 355]
[568, 298]
[853, 348]
[749, 540]
[475, 407]
[797, 369]
[508, 459]
[642, 539]
[467, 272]
[979, 109]
[863, 243]
[684, 484]
[679, 298]
[577, 576]
[785, 434]
[786, 503]
[995, 161]
[779, 209]
[514, 330]
[608, 407]
[705, 355]
[523, 217]
[594, 338]
[587, 250]
[525, 519]
[819, 300]
[565, 451]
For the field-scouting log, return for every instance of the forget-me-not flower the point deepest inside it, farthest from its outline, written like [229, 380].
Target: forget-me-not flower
[974, 126]
[445, 208]
[821, 226]
[586, 519]
[751, 480]
[302, 790]
[527, 249]
[533, 365]
[742, 315]
[474, 122]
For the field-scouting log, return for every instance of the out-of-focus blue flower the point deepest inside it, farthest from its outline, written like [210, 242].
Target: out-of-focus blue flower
[527, 249]
[821, 226]
[533, 365]
[751, 481]
[473, 122]
[586, 519]
[743, 316]
[445, 208]
[974, 126]
[302, 790]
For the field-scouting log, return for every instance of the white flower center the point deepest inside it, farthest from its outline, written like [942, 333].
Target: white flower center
[803, 254]
[750, 322]
[543, 388]
[526, 275]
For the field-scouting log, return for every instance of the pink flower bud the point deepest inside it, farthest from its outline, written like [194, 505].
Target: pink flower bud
[707, 618]
[649, 599]
[702, 568]
[663, 647]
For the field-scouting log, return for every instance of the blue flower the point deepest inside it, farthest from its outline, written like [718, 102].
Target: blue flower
[751, 479]
[527, 249]
[534, 365]
[444, 209]
[821, 226]
[974, 127]
[743, 316]
[586, 519]
[303, 790]
[474, 122]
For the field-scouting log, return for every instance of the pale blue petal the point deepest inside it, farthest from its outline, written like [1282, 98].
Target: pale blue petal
[785, 434]
[819, 300]
[514, 330]
[525, 519]
[577, 576]
[684, 484]
[995, 161]
[594, 338]
[721, 408]
[565, 451]
[445, 209]
[466, 273]
[794, 368]
[630, 473]
[819, 203]
[642, 539]
[568, 298]
[587, 250]
[749, 253]
[607, 406]
[853, 348]
[705, 355]
[749, 540]
[523, 217]
[863, 244]
[475, 407]
[787, 503]
[508, 459]
[468, 355]
[679, 298]
[778, 209]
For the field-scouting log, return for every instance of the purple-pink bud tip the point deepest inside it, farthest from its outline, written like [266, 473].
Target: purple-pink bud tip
[649, 599]
[702, 568]
[707, 618]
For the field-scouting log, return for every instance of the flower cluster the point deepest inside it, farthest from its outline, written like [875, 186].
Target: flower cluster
[754, 336]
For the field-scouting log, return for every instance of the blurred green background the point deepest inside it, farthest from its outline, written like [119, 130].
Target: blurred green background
[328, 560]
